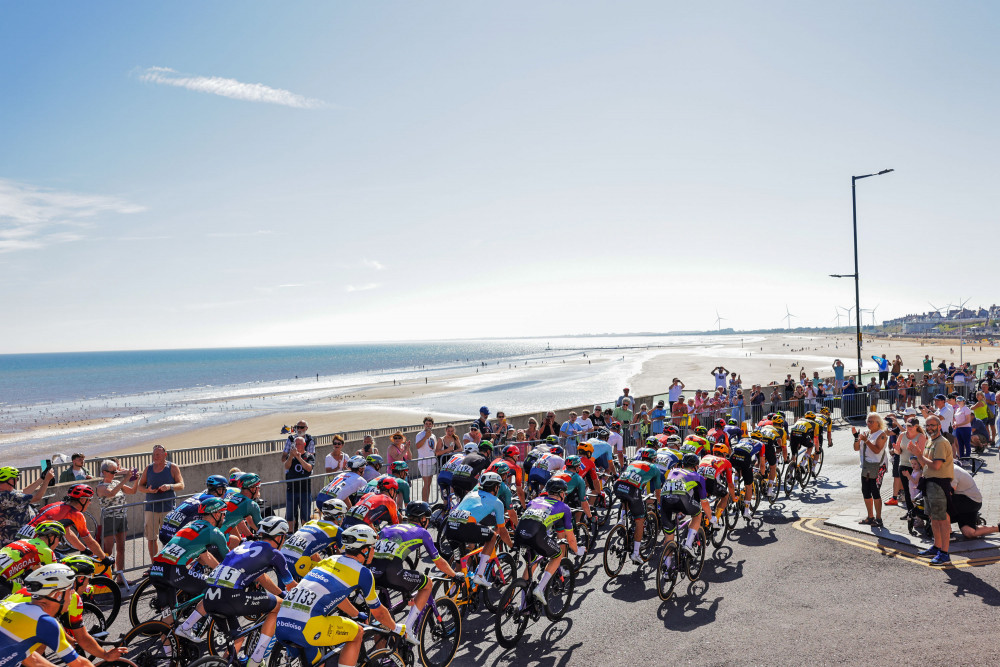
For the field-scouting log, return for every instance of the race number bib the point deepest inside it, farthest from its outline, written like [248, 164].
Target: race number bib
[632, 476]
[459, 516]
[708, 472]
[226, 576]
[674, 487]
[172, 552]
[296, 543]
[536, 513]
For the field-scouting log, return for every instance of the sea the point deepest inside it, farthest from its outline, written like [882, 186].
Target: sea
[96, 402]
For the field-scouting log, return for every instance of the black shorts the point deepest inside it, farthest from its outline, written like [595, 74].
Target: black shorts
[631, 497]
[671, 505]
[770, 453]
[390, 573]
[468, 533]
[534, 536]
[226, 603]
[965, 511]
[716, 488]
[461, 485]
[797, 440]
[743, 466]
[114, 524]
[167, 579]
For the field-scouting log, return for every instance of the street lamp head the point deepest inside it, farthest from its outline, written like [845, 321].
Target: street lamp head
[884, 171]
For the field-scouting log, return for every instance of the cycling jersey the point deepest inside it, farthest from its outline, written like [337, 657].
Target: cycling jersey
[603, 454]
[478, 507]
[241, 566]
[825, 423]
[641, 474]
[773, 433]
[717, 435]
[667, 458]
[23, 556]
[683, 482]
[544, 466]
[588, 471]
[695, 444]
[514, 468]
[465, 473]
[532, 456]
[551, 512]
[448, 469]
[396, 542]
[806, 427]
[576, 488]
[747, 449]
[404, 488]
[734, 433]
[311, 538]
[370, 473]
[190, 542]
[24, 628]
[182, 515]
[717, 469]
[341, 487]
[503, 494]
[373, 509]
[61, 512]
[239, 507]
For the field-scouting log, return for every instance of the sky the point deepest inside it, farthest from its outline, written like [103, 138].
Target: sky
[234, 174]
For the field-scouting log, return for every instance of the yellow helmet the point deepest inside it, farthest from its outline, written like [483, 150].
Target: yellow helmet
[757, 435]
[810, 415]
[825, 410]
[778, 419]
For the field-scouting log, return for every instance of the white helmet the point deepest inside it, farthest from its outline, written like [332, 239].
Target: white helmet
[356, 463]
[358, 537]
[273, 526]
[334, 508]
[471, 448]
[48, 578]
[491, 480]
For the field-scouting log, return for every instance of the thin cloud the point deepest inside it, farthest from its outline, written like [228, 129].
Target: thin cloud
[373, 264]
[231, 88]
[232, 235]
[361, 288]
[32, 217]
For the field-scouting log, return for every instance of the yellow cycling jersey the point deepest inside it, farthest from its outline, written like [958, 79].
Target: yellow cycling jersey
[826, 424]
[24, 628]
[806, 427]
[774, 434]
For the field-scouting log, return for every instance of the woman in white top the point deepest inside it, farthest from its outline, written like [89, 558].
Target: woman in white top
[913, 433]
[426, 442]
[870, 444]
[336, 461]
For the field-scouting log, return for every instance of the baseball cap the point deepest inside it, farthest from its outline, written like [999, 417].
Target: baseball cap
[909, 411]
[940, 397]
[960, 398]
[484, 410]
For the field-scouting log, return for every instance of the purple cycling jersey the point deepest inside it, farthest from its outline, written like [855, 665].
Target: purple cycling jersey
[397, 541]
[552, 513]
[681, 482]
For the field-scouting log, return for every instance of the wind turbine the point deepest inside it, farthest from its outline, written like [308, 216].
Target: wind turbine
[848, 311]
[961, 328]
[936, 309]
[788, 317]
[836, 309]
[872, 311]
[719, 319]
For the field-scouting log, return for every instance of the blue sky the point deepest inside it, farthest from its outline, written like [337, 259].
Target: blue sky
[438, 170]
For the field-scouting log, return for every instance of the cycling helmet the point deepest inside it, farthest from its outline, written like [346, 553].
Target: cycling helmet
[652, 441]
[486, 446]
[823, 410]
[400, 466]
[720, 423]
[417, 510]
[50, 528]
[9, 474]
[501, 468]
[670, 429]
[552, 440]
[82, 566]
[356, 463]
[690, 461]
[248, 480]
[603, 433]
[490, 480]
[216, 482]
[557, 450]
[757, 435]
[358, 537]
[333, 508]
[573, 462]
[387, 484]
[470, 448]
[700, 430]
[778, 419]
[732, 422]
[375, 461]
[770, 416]
[211, 505]
[585, 448]
[555, 485]
[50, 578]
[273, 526]
[721, 449]
[810, 415]
[674, 441]
[646, 454]
[511, 452]
[234, 476]
[80, 491]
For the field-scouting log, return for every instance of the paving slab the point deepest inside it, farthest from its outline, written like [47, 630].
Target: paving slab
[895, 531]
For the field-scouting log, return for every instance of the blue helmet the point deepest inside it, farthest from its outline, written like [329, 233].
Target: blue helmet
[215, 482]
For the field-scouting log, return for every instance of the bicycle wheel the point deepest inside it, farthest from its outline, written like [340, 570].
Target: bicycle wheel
[559, 594]
[440, 634]
[721, 530]
[151, 644]
[142, 607]
[616, 550]
[755, 500]
[511, 619]
[650, 531]
[817, 465]
[93, 618]
[788, 479]
[695, 564]
[802, 469]
[107, 594]
[666, 574]
[501, 574]
[582, 538]
[606, 513]
[383, 657]
[210, 661]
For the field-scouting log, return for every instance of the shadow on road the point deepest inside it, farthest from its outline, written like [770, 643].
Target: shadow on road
[538, 646]
[689, 611]
[966, 583]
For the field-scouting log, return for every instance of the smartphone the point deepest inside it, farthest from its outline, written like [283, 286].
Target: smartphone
[46, 466]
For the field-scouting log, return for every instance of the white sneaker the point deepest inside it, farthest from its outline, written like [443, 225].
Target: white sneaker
[412, 638]
[747, 514]
[637, 559]
[689, 550]
[480, 579]
[539, 595]
[189, 635]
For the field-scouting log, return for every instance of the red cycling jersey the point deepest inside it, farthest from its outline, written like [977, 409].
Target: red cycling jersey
[717, 468]
[515, 468]
[588, 470]
[64, 514]
[717, 435]
[374, 509]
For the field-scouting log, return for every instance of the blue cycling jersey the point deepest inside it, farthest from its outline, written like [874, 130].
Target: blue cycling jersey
[748, 445]
[478, 505]
[241, 566]
[603, 453]
[181, 516]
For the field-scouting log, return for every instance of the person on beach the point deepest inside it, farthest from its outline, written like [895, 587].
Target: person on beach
[16, 506]
[447, 444]
[160, 481]
[75, 472]
[114, 514]
[336, 460]
[298, 487]
[300, 431]
[838, 372]
[426, 444]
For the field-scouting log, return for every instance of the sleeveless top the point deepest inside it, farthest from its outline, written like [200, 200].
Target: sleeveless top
[867, 454]
[163, 501]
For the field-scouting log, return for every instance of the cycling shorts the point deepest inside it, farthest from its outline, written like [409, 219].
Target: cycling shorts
[227, 603]
[743, 466]
[468, 533]
[797, 440]
[319, 631]
[715, 488]
[461, 485]
[168, 579]
[534, 536]
[671, 505]
[631, 497]
[390, 573]
[770, 453]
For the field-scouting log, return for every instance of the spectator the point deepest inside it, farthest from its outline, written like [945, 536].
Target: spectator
[720, 373]
[531, 433]
[657, 417]
[75, 472]
[816, 380]
[399, 448]
[426, 444]
[368, 446]
[980, 435]
[739, 406]
[300, 431]
[640, 424]
[810, 396]
[911, 391]
[298, 486]
[928, 360]
[894, 429]
[160, 481]
[621, 399]
[873, 389]
[586, 425]
[944, 412]
[838, 372]
[674, 392]
[871, 445]
[678, 412]
[623, 413]
[938, 470]
[618, 443]
[897, 366]
[756, 404]
[990, 398]
[775, 398]
[789, 387]
[114, 514]
[15, 506]
[892, 393]
[597, 418]
[796, 404]
[336, 460]
[568, 433]
[850, 405]
[448, 444]
[966, 501]
[521, 440]
[474, 434]
[913, 435]
[549, 426]
[963, 427]
[883, 368]
[484, 422]
[500, 429]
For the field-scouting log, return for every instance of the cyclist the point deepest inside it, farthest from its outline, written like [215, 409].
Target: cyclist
[310, 542]
[576, 488]
[548, 512]
[216, 486]
[394, 544]
[603, 454]
[805, 434]
[377, 507]
[72, 619]
[697, 443]
[669, 455]
[169, 571]
[544, 466]
[398, 471]
[502, 468]
[242, 510]
[15, 506]
[373, 467]
[718, 474]
[305, 618]
[447, 471]
[30, 626]
[638, 475]
[585, 450]
[240, 586]
[773, 439]
[346, 485]
[537, 452]
[587, 470]
[684, 491]
[825, 424]
[733, 430]
[743, 456]
[509, 458]
[69, 513]
[479, 519]
[22, 556]
[466, 473]
[718, 434]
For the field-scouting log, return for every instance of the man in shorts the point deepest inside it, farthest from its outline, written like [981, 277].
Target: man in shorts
[938, 463]
[545, 515]
[684, 491]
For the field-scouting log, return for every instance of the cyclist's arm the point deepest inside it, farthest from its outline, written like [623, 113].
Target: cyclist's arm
[90, 645]
[208, 560]
[281, 569]
[441, 564]
[74, 541]
[268, 585]
[91, 543]
[504, 534]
